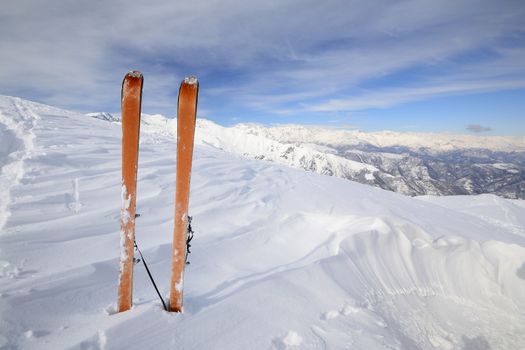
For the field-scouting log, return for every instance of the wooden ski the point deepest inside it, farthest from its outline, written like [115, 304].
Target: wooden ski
[131, 103]
[186, 114]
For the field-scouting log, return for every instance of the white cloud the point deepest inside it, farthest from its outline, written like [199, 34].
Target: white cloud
[390, 97]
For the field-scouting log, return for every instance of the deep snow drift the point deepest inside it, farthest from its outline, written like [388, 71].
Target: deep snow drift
[281, 258]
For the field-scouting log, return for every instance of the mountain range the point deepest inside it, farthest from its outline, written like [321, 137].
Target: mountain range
[409, 163]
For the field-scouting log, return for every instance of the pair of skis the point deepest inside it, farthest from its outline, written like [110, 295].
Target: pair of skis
[186, 114]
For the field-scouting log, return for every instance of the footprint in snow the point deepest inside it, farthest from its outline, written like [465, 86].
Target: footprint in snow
[290, 340]
[346, 310]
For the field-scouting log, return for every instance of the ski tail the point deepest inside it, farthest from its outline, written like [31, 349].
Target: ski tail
[131, 105]
[186, 117]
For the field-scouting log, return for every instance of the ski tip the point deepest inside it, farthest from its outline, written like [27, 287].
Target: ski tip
[191, 80]
[134, 74]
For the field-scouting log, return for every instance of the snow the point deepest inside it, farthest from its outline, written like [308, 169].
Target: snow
[511, 168]
[305, 155]
[125, 217]
[75, 204]
[191, 80]
[281, 258]
[405, 173]
[16, 124]
[178, 286]
[135, 74]
[292, 339]
[125, 198]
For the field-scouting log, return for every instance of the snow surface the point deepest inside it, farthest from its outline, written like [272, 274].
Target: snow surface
[421, 168]
[191, 80]
[281, 258]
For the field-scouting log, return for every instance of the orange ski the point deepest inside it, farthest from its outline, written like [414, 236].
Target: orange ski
[131, 103]
[186, 114]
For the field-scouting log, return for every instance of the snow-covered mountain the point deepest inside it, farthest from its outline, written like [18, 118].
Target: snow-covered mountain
[386, 139]
[104, 116]
[408, 163]
[281, 259]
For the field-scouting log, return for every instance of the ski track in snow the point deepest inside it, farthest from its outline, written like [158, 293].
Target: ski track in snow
[17, 121]
[282, 259]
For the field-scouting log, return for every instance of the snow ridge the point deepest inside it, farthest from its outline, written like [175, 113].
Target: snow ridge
[17, 120]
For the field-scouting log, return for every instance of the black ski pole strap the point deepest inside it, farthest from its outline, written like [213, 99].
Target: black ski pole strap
[150, 276]
[189, 237]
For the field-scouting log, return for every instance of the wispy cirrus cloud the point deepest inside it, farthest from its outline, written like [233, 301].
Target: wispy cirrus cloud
[389, 97]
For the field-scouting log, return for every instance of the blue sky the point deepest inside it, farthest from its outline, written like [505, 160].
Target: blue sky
[440, 66]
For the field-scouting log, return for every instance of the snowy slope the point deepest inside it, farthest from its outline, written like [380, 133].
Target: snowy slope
[238, 141]
[408, 163]
[282, 258]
